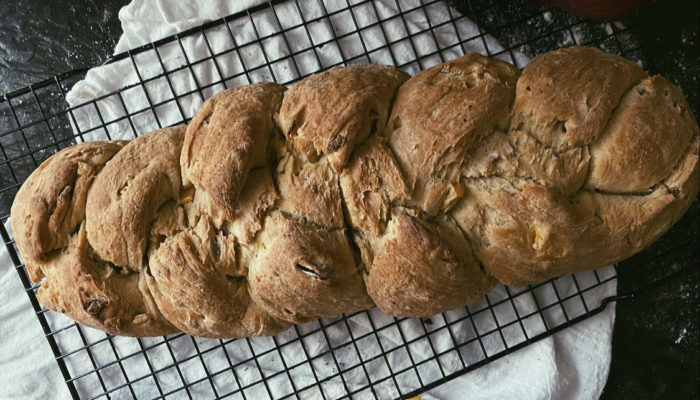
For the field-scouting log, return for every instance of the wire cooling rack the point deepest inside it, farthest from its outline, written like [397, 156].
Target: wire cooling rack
[362, 355]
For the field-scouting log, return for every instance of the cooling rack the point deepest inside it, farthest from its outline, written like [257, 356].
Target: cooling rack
[365, 354]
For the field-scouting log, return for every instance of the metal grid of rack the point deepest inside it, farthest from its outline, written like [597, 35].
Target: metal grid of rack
[366, 353]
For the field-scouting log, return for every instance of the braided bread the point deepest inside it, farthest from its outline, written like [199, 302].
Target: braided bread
[358, 187]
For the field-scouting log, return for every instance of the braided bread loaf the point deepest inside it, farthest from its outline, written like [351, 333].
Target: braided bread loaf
[359, 187]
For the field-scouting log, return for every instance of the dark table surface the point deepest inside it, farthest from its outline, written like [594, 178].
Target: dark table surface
[656, 347]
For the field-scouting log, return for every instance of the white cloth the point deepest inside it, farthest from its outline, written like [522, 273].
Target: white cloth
[27, 366]
[572, 364]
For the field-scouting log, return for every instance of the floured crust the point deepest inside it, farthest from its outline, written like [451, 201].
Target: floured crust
[359, 187]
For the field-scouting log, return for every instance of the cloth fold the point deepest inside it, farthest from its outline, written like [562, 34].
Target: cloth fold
[166, 86]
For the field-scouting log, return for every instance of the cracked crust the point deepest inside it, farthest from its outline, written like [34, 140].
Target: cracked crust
[631, 156]
[98, 294]
[371, 184]
[565, 98]
[227, 137]
[196, 284]
[51, 203]
[126, 195]
[438, 115]
[359, 99]
[423, 269]
[566, 178]
[303, 272]
[309, 191]
[415, 195]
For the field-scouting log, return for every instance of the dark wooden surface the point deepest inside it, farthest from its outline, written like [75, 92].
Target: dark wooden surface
[656, 351]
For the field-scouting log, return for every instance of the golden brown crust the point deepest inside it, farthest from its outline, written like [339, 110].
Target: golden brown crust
[438, 114]
[303, 272]
[48, 223]
[416, 196]
[586, 161]
[51, 203]
[358, 98]
[631, 156]
[98, 294]
[196, 284]
[126, 195]
[565, 97]
[227, 137]
[424, 269]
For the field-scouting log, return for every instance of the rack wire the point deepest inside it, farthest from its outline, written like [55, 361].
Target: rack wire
[365, 354]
